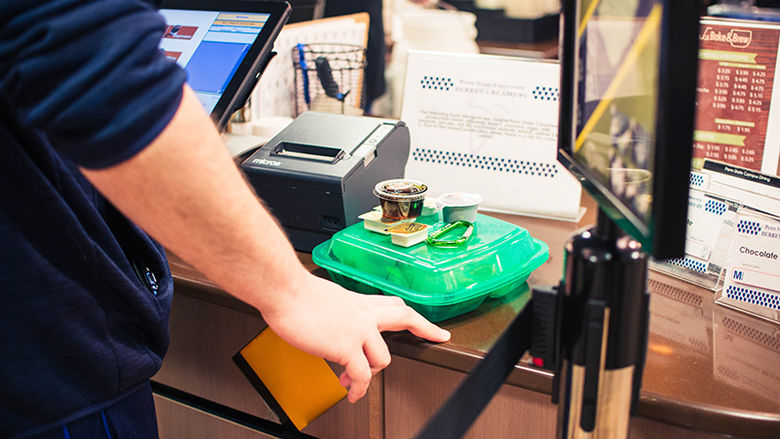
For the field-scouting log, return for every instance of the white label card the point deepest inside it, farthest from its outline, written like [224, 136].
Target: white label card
[755, 252]
[488, 124]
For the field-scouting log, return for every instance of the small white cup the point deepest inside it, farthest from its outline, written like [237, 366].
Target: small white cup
[459, 206]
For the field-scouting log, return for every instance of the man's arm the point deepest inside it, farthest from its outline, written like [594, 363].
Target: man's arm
[186, 192]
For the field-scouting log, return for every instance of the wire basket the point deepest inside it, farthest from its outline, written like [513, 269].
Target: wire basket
[329, 78]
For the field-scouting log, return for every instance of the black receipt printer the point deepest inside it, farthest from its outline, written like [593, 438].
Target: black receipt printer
[318, 174]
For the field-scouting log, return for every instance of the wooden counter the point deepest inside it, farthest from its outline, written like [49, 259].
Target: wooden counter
[709, 369]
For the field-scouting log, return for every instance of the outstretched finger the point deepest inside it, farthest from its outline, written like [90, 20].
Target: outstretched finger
[359, 374]
[399, 318]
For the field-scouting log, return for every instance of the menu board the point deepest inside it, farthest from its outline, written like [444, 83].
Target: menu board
[736, 120]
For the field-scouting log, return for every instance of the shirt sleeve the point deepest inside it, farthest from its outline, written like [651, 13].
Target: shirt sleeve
[88, 74]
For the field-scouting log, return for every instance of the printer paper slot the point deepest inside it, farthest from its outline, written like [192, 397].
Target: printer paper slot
[325, 154]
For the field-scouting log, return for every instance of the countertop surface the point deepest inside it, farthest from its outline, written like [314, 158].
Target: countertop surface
[709, 368]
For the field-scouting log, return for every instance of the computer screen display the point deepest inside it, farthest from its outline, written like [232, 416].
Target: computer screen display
[628, 97]
[223, 45]
[210, 45]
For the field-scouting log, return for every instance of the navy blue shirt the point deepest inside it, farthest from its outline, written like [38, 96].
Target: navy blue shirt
[82, 84]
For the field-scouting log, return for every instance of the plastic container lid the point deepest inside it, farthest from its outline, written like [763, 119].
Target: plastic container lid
[400, 190]
[438, 282]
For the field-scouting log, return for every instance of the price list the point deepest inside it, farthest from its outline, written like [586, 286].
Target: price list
[737, 66]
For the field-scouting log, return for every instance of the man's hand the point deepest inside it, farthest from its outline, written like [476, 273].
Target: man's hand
[186, 192]
[341, 326]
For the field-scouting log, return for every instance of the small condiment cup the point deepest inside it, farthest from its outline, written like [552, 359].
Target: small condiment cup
[400, 198]
[459, 206]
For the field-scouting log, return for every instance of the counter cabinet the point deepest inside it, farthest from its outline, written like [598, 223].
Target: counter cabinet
[710, 371]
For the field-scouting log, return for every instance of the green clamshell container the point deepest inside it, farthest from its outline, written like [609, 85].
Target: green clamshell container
[438, 282]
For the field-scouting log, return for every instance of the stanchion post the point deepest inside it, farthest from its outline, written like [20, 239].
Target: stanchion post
[604, 332]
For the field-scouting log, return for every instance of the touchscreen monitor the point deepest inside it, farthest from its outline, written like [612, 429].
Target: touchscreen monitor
[628, 98]
[223, 46]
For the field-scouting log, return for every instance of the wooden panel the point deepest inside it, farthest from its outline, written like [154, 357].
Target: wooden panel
[345, 420]
[205, 336]
[643, 428]
[415, 390]
[176, 421]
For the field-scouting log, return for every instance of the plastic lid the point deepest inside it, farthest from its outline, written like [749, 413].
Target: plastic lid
[400, 189]
[497, 254]
[460, 199]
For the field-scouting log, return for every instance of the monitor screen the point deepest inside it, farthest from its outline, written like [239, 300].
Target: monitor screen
[628, 97]
[223, 46]
[209, 45]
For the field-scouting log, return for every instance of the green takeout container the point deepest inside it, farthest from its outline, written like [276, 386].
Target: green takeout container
[438, 282]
